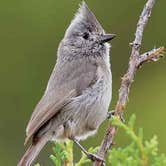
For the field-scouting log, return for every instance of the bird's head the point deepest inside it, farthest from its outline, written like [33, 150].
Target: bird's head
[85, 36]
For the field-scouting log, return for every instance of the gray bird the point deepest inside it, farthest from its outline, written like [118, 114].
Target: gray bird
[79, 90]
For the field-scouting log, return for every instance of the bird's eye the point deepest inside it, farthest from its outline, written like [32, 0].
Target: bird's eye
[86, 35]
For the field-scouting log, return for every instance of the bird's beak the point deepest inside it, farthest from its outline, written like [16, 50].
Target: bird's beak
[107, 37]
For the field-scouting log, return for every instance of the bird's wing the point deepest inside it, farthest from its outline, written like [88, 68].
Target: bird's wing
[47, 113]
[60, 90]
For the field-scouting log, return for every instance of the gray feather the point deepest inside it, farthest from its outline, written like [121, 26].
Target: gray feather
[59, 92]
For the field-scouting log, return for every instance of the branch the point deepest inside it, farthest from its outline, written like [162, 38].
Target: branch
[150, 56]
[136, 60]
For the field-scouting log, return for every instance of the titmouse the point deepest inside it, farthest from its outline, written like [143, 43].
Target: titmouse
[79, 90]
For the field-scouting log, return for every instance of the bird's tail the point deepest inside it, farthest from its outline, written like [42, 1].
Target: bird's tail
[33, 151]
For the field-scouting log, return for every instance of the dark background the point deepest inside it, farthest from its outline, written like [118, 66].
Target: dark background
[30, 31]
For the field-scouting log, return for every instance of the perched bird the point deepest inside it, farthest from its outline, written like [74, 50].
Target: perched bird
[79, 90]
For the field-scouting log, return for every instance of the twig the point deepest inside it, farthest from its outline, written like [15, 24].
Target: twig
[150, 56]
[136, 60]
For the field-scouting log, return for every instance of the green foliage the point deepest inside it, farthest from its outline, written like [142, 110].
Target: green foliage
[37, 165]
[62, 154]
[137, 153]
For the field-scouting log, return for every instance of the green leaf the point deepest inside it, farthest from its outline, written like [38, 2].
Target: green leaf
[37, 164]
[140, 134]
[131, 121]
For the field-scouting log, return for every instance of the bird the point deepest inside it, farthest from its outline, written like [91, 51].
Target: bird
[79, 90]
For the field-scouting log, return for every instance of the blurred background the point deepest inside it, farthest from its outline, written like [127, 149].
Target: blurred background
[29, 35]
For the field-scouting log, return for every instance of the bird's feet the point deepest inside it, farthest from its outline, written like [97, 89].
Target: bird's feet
[90, 156]
[110, 114]
[94, 157]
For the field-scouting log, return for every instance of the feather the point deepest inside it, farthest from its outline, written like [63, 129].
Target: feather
[59, 93]
[33, 151]
[46, 115]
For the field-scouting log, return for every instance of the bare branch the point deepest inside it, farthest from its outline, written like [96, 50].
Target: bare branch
[136, 60]
[150, 56]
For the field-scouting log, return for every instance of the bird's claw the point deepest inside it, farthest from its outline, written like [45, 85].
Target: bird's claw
[94, 157]
[110, 114]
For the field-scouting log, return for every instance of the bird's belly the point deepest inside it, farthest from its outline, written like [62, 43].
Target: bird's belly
[83, 115]
[91, 109]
